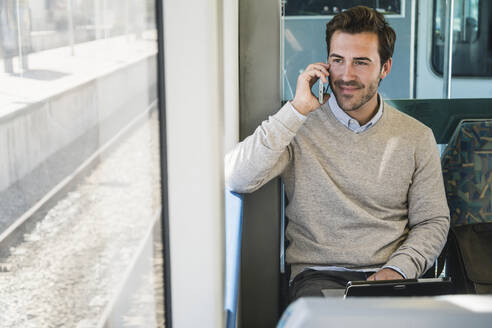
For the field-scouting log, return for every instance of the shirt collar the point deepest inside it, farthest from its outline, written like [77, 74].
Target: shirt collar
[348, 121]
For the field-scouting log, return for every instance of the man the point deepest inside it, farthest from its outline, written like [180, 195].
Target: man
[364, 182]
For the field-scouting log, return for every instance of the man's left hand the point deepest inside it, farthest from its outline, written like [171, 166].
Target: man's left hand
[385, 274]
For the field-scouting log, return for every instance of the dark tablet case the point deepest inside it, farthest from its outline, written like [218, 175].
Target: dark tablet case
[407, 287]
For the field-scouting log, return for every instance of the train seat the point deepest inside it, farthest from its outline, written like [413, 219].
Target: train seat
[467, 164]
[467, 173]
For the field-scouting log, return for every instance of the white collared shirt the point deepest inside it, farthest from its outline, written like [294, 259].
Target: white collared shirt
[347, 121]
[351, 123]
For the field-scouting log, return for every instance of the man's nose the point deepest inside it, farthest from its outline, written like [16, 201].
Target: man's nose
[348, 72]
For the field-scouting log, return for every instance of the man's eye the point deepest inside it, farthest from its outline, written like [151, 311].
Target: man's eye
[360, 63]
[337, 60]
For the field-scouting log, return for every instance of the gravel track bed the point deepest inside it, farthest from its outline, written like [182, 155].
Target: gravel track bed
[70, 266]
[146, 309]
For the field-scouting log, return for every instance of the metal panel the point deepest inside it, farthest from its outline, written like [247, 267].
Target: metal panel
[161, 89]
[259, 62]
[194, 130]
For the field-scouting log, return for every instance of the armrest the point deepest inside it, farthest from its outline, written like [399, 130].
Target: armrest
[233, 230]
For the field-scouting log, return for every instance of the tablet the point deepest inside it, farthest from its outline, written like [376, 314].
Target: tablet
[405, 287]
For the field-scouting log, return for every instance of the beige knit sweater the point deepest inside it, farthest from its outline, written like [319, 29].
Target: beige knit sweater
[355, 200]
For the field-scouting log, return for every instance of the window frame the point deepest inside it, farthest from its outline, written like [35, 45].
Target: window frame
[433, 64]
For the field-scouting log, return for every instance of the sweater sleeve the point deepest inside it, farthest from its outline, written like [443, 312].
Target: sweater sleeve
[428, 213]
[264, 154]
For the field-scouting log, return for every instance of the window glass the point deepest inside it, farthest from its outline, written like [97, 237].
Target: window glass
[303, 40]
[80, 193]
[472, 48]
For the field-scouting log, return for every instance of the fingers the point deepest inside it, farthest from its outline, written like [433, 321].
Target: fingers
[319, 70]
[318, 75]
[307, 79]
[320, 67]
[385, 274]
[325, 65]
[304, 100]
[316, 71]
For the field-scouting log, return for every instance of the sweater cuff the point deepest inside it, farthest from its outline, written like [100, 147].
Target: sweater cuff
[301, 116]
[288, 117]
[405, 264]
[397, 269]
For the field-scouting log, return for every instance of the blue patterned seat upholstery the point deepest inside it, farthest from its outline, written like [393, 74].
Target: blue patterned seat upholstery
[467, 173]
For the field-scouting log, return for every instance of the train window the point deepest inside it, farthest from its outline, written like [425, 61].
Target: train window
[80, 179]
[303, 40]
[472, 44]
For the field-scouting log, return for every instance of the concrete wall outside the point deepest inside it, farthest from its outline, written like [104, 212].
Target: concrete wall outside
[37, 131]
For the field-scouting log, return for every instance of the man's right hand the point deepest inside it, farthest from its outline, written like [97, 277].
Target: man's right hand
[305, 101]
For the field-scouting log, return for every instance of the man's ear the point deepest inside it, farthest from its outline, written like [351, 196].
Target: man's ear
[386, 69]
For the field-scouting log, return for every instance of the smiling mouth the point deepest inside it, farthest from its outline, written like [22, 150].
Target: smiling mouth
[348, 89]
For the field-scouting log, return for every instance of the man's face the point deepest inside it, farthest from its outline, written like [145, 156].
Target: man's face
[355, 69]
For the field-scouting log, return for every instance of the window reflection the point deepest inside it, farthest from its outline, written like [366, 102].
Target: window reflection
[472, 55]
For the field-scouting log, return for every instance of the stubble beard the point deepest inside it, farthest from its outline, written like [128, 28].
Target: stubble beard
[353, 102]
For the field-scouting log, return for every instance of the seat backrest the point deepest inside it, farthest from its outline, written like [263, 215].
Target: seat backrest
[467, 173]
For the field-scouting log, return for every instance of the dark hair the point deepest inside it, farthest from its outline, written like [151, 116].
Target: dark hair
[363, 19]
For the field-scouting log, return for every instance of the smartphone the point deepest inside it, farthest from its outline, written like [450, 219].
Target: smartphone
[322, 90]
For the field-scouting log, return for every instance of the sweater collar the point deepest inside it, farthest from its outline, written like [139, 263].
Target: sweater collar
[348, 121]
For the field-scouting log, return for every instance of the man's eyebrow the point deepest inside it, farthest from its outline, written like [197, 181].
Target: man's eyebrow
[355, 58]
[363, 58]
